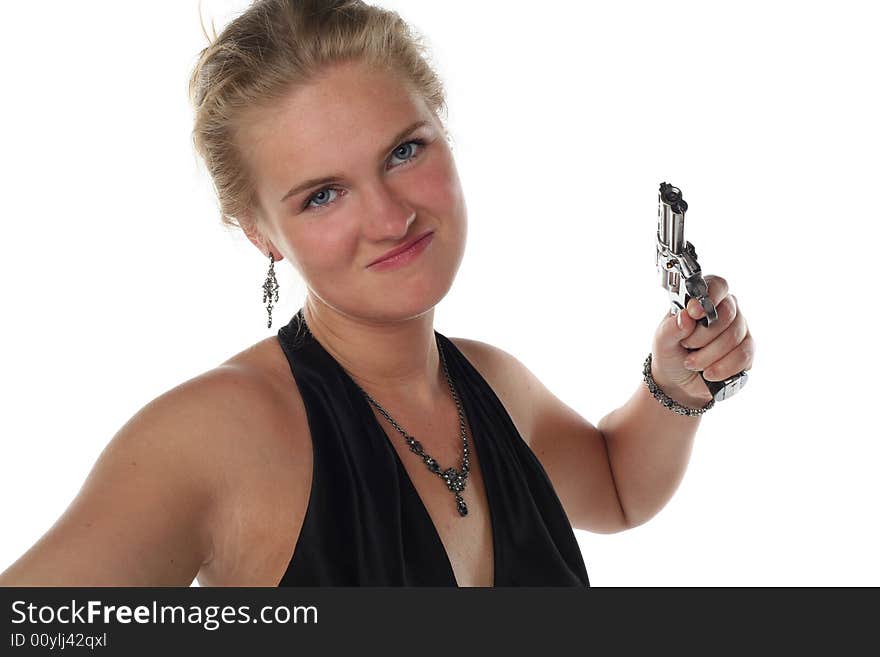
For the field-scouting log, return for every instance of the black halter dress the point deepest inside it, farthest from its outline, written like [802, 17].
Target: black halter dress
[366, 525]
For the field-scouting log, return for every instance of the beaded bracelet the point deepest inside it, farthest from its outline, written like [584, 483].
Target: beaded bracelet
[666, 400]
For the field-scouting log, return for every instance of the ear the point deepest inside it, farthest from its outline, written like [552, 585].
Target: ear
[251, 229]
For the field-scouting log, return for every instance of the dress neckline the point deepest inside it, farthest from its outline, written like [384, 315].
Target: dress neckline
[303, 333]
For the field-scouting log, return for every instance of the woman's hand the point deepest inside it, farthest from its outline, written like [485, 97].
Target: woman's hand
[721, 350]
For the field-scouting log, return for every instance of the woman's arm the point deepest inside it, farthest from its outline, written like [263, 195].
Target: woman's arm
[142, 516]
[649, 448]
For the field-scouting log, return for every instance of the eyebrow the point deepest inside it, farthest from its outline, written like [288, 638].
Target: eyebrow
[303, 186]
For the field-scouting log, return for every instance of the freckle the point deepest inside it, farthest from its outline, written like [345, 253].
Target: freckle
[134, 462]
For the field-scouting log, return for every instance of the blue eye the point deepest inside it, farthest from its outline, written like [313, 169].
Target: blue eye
[408, 145]
[404, 146]
[316, 195]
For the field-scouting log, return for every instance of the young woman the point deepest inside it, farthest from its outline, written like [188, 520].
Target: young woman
[359, 446]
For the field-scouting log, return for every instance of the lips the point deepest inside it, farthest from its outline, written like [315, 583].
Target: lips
[400, 249]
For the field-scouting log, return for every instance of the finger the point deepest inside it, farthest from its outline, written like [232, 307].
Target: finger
[734, 362]
[717, 290]
[726, 342]
[674, 328]
[728, 311]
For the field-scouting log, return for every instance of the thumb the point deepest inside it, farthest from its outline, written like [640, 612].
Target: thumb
[682, 324]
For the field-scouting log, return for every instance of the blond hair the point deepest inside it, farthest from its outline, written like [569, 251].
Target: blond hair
[276, 46]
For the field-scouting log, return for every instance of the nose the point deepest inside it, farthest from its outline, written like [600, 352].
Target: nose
[388, 215]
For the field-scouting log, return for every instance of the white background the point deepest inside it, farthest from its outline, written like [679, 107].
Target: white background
[119, 282]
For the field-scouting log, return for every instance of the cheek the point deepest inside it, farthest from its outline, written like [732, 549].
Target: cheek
[327, 250]
[440, 189]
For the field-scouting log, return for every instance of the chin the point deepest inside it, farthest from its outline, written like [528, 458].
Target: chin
[405, 299]
[410, 302]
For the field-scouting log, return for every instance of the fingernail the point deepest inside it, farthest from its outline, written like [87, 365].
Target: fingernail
[695, 310]
[678, 319]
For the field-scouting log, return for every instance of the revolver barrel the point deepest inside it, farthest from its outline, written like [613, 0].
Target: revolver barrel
[676, 259]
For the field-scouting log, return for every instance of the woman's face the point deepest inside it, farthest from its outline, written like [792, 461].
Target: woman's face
[387, 189]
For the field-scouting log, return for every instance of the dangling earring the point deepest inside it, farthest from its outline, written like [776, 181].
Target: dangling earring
[270, 288]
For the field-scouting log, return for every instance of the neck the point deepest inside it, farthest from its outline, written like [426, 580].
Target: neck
[389, 360]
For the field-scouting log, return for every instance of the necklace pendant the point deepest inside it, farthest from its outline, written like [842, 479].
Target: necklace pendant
[462, 507]
[454, 479]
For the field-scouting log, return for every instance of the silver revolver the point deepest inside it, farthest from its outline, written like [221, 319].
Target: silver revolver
[677, 264]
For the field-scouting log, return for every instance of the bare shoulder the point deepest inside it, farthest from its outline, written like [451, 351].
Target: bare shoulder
[508, 377]
[174, 488]
[248, 441]
[245, 438]
[264, 470]
[239, 400]
[147, 513]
